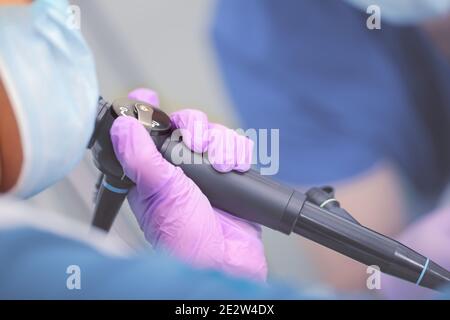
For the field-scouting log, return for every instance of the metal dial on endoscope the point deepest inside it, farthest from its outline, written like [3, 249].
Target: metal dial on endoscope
[155, 120]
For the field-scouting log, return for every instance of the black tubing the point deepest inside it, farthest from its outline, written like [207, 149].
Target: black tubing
[246, 195]
[369, 247]
[110, 198]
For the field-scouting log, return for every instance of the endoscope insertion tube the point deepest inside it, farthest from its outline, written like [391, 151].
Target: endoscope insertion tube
[369, 247]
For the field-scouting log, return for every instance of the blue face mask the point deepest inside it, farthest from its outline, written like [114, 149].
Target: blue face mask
[405, 11]
[49, 75]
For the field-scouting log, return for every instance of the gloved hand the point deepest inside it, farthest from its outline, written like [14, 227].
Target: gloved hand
[172, 211]
[429, 236]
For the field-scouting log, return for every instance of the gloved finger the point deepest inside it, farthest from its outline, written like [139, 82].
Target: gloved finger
[145, 95]
[227, 150]
[139, 157]
[244, 153]
[194, 128]
[221, 147]
[180, 220]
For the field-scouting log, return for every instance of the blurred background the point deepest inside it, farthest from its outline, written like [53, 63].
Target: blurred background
[166, 46]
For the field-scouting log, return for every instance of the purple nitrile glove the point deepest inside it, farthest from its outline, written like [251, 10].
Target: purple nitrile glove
[172, 211]
[145, 95]
[429, 236]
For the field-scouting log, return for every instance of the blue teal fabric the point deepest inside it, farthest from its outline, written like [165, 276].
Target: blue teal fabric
[34, 264]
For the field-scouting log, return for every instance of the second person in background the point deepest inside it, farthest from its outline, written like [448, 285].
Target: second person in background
[367, 111]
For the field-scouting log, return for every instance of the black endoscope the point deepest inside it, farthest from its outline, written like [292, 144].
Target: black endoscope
[315, 215]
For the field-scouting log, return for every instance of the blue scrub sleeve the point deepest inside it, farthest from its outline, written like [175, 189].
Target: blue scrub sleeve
[336, 90]
[34, 265]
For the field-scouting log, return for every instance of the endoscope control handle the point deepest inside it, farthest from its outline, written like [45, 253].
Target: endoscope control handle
[247, 195]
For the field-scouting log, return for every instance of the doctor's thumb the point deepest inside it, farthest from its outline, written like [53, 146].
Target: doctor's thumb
[145, 95]
[139, 157]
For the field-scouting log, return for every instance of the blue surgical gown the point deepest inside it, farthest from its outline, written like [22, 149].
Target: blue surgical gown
[34, 266]
[344, 97]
